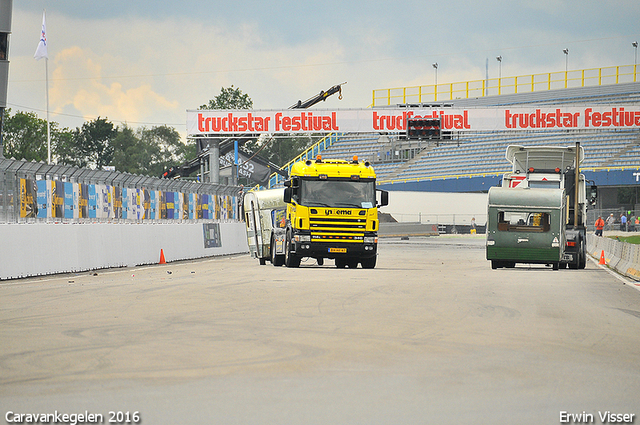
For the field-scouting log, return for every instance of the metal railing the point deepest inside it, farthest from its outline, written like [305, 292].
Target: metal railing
[506, 85]
[492, 174]
[38, 192]
[276, 179]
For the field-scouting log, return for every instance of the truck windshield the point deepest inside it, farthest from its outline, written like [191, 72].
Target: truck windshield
[337, 193]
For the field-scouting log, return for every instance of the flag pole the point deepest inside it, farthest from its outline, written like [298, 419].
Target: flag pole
[46, 67]
[42, 52]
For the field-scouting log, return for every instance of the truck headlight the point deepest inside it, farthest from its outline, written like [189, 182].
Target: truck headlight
[370, 239]
[302, 238]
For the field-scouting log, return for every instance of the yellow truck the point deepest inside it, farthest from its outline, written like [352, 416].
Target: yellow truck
[332, 212]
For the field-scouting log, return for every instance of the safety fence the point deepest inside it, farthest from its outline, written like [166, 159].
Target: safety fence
[612, 218]
[38, 192]
[621, 256]
[506, 85]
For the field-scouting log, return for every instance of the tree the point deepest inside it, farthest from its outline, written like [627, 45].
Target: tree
[229, 98]
[25, 136]
[148, 151]
[281, 150]
[165, 148]
[93, 143]
[129, 153]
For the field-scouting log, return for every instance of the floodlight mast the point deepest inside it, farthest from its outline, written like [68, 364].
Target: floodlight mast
[5, 30]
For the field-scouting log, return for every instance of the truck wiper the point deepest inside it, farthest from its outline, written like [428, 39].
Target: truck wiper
[348, 204]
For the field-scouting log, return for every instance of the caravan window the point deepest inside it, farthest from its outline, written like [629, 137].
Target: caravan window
[544, 184]
[530, 221]
[278, 218]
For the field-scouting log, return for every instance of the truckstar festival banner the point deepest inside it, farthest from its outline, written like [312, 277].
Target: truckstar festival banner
[206, 122]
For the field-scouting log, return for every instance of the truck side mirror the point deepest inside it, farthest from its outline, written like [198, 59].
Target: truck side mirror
[293, 182]
[384, 198]
[593, 194]
[287, 195]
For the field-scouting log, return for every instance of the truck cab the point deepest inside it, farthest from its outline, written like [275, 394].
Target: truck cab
[332, 212]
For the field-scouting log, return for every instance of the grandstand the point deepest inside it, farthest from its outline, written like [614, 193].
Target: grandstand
[482, 154]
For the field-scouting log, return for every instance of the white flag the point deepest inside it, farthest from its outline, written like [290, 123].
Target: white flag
[41, 51]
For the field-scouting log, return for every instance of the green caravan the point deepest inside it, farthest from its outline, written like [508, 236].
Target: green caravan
[525, 226]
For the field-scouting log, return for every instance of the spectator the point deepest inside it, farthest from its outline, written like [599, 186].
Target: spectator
[599, 226]
[623, 223]
[610, 220]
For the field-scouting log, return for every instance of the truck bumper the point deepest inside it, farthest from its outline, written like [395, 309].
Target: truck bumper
[524, 255]
[335, 249]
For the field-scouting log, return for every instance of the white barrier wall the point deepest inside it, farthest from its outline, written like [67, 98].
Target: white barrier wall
[620, 256]
[40, 249]
[437, 207]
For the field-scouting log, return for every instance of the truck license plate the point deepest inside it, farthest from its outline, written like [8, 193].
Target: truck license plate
[340, 250]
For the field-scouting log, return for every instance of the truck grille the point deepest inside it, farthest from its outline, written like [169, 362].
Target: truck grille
[337, 229]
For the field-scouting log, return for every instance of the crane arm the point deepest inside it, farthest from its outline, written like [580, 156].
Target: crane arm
[322, 96]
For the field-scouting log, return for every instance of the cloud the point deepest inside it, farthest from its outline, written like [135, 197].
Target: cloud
[77, 81]
[151, 67]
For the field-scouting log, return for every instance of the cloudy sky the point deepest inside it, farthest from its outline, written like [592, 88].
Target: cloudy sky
[146, 62]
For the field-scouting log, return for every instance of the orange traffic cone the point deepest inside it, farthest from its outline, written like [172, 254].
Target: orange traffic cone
[602, 258]
[162, 261]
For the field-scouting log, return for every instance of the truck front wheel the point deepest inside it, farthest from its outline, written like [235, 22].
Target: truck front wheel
[368, 263]
[290, 259]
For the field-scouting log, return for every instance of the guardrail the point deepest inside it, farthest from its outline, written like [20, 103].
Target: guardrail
[506, 85]
[37, 192]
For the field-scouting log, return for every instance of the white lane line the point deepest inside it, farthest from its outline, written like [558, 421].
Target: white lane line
[623, 279]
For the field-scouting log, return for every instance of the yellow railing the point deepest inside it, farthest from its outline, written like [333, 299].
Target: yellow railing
[276, 179]
[493, 173]
[506, 85]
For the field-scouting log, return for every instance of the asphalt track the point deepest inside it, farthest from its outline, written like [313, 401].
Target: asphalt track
[431, 335]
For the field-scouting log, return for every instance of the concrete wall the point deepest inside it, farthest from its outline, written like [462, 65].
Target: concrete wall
[40, 249]
[621, 256]
[437, 207]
